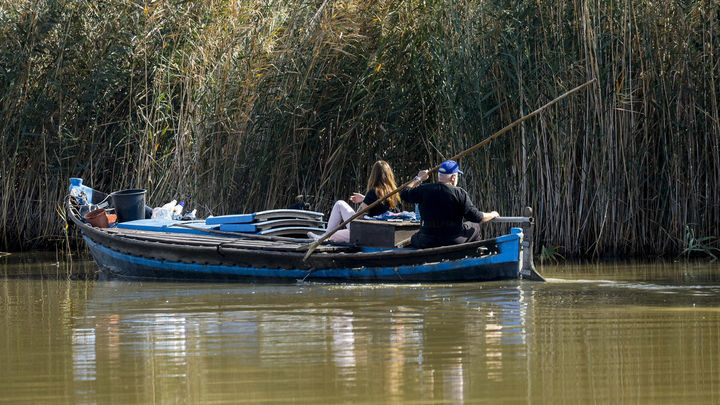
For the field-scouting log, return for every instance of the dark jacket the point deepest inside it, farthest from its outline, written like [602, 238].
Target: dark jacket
[443, 209]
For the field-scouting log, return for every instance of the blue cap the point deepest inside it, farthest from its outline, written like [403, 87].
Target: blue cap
[449, 167]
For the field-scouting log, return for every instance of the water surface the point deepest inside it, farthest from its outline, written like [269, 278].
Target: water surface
[640, 334]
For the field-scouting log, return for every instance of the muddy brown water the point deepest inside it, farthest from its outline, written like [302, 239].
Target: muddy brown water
[604, 334]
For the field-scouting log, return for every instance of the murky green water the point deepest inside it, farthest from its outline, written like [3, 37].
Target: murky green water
[608, 334]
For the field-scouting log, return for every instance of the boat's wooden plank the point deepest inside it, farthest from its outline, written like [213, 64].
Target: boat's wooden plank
[263, 216]
[278, 223]
[171, 236]
[253, 236]
[272, 224]
[206, 241]
[166, 225]
[288, 213]
[195, 240]
[292, 230]
[211, 234]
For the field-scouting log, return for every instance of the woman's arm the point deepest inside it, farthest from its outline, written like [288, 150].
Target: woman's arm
[357, 198]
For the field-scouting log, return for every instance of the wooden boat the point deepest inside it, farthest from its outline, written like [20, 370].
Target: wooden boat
[187, 251]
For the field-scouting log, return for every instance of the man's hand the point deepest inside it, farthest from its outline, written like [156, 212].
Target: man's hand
[423, 175]
[489, 216]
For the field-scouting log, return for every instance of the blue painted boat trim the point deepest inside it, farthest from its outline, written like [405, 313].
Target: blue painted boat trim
[230, 219]
[238, 228]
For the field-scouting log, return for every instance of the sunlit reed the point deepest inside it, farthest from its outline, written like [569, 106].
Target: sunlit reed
[235, 106]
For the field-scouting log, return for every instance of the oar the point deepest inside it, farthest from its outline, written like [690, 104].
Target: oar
[464, 153]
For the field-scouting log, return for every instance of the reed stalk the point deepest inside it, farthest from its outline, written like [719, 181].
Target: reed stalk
[240, 106]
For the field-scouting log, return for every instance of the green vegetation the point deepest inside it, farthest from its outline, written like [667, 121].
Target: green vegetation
[698, 246]
[236, 106]
[550, 254]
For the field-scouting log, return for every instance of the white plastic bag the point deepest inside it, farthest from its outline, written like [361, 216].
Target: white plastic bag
[164, 212]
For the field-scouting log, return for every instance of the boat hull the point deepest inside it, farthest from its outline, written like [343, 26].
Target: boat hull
[119, 265]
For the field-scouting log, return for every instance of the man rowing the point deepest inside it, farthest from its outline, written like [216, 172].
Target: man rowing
[448, 215]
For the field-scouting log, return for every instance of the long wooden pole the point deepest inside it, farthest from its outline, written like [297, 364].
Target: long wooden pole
[460, 155]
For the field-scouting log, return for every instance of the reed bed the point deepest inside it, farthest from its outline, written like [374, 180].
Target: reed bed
[236, 106]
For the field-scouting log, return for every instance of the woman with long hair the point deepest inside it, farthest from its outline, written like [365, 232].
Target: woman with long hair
[380, 183]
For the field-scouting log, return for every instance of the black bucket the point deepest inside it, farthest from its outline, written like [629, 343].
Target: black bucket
[129, 204]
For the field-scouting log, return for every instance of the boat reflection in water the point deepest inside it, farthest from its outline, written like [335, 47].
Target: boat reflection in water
[322, 341]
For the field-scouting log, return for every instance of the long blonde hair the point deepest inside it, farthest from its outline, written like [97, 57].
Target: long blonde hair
[382, 181]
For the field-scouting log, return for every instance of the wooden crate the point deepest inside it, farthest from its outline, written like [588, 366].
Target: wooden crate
[384, 234]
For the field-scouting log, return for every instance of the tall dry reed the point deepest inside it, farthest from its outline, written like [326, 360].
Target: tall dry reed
[235, 106]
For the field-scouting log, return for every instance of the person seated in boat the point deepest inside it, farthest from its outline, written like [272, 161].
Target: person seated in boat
[448, 215]
[380, 183]
[300, 204]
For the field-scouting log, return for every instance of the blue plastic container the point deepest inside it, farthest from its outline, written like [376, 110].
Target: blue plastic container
[82, 193]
